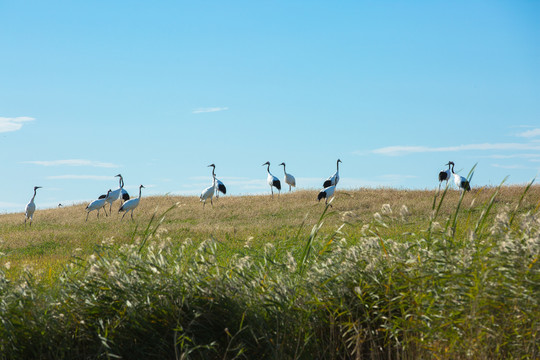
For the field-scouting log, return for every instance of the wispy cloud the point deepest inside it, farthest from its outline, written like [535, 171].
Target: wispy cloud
[73, 162]
[210, 109]
[530, 133]
[80, 177]
[406, 150]
[13, 124]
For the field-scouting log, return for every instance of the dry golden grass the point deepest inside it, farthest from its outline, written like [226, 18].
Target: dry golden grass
[57, 234]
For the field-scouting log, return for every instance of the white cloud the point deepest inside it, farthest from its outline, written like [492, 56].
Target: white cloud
[405, 150]
[73, 162]
[13, 124]
[80, 177]
[207, 110]
[530, 133]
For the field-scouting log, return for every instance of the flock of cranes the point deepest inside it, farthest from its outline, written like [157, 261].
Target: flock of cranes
[329, 187]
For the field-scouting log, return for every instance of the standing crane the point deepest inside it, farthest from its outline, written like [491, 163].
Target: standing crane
[98, 204]
[208, 192]
[461, 182]
[272, 180]
[114, 195]
[31, 207]
[334, 179]
[131, 204]
[220, 187]
[445, 174]
[289, 179]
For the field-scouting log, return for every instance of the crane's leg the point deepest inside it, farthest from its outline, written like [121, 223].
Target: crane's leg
[87, 213]
[211, 203]
[290, 188]
[132, 214]
[123, 216]
[272, 190]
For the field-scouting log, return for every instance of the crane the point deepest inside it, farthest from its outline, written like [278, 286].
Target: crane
[334, 179]
[289, 179]
[208, 192]
[461, 182]
[31, 207]
[445, 174]
[115, 194]
[272, 180]
[97, 205]
[220, 187]
[131, 204]
[326, 193]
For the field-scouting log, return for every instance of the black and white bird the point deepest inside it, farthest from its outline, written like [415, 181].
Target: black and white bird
[289, 179]
[31, 207]
[445, 174]
[461, 182]
[334, 179]
[97, 204]
[220, 187]
[208, 193]
[272, 180]
[131, 204]
[114, 195]
[326, 193]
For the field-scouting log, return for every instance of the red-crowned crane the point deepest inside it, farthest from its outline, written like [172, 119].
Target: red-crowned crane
[461, 182]
[272, 180]
[326, 193]
[31, 207]
[208, 192]
[97, 205]
[220, 187]
[114, 195]
[334, 179]
[289, 179]
[131, 204]
[445, 174]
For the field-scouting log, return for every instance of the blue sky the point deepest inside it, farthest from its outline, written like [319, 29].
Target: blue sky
[158, 90]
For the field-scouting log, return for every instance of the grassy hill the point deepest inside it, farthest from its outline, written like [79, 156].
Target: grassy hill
[382, 273]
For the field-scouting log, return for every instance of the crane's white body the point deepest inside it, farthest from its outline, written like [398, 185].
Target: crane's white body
[326, 193]
[272, 180]
[445, 175]
[288, 178]
[219, 185]
[131, 204]
[115, 195]
[97, 205]
[334, 179]
[30, 207]
[461, 182]
[208, 193]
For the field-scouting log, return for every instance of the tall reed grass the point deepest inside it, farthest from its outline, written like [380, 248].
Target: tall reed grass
[441, 292]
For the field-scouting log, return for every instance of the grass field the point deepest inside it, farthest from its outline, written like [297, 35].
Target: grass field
[381, 274]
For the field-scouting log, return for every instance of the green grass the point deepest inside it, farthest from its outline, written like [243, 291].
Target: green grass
[382, 274]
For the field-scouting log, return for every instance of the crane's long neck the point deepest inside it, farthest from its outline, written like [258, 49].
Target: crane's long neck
[452, 168]
[140, 191]
[33, 197]
[214, 171]
[268, 168]
[337, 166]
[121, 182]
[285, 172]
